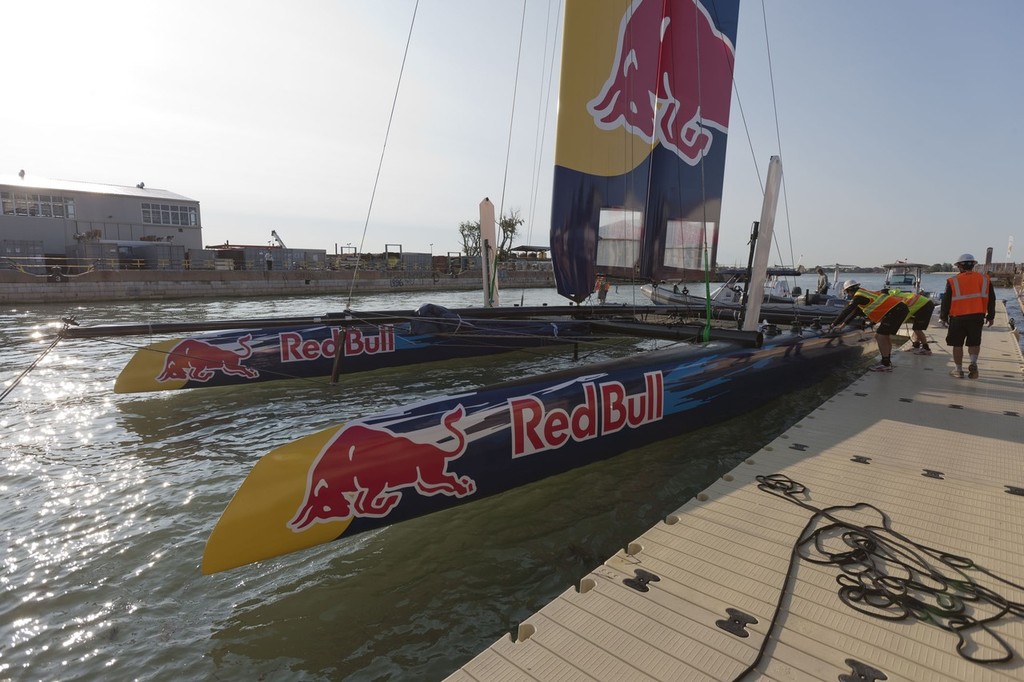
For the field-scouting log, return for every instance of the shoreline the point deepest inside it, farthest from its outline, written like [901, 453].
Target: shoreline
[120, 285]
[132, 285]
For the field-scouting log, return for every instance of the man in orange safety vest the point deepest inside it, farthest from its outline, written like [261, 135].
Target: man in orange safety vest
[969, 301]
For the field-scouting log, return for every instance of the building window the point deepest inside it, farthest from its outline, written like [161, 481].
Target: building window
[41, 205]
[169, 214]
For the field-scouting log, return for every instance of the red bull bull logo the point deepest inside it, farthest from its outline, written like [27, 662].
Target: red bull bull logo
[671, 80]
[364, 470]
[606, 409]
[197, 360]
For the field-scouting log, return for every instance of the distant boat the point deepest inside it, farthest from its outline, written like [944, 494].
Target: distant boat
[646, 84]
[779, 305]
[904, 277]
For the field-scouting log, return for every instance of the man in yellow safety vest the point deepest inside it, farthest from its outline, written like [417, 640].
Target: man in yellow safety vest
[882, 308]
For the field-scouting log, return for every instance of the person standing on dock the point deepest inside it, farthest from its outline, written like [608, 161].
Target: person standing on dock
[883, 309]
[969, 301]
[822, 288]
[920, 316]
[601, 286]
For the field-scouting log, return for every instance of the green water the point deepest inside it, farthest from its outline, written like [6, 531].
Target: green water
[108, 500]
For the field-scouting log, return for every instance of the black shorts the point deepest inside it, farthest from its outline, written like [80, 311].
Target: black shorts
[923, 317]
[893, 320]
[965, 330]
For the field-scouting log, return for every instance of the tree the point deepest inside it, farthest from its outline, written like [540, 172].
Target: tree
[508, 229]
[469, 233]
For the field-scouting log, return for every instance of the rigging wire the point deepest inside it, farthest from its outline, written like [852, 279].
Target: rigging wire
[746, 129]
[547, 76]
[631, 147]
[508, 154]
[17, 380]
[706, 335]
[778, 135]
[380, 163]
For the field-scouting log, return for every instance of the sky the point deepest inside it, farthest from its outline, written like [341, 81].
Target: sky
[899, 122]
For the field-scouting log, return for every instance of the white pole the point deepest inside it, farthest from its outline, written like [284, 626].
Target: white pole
[488, 253]
[759, 268]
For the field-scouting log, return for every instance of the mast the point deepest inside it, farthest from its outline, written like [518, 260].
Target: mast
[766, 228]
[488, 254]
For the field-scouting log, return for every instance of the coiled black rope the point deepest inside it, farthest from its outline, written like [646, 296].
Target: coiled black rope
[885, 574]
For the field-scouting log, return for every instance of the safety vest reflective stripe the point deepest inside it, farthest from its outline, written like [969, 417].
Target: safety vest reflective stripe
[970, 294]
[914, 301]
[880, 304]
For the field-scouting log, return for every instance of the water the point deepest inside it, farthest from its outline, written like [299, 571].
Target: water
[108, 501]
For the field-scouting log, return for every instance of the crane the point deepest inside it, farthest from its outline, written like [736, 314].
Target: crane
[277, 238]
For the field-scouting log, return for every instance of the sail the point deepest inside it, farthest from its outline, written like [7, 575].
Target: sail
[642, 127]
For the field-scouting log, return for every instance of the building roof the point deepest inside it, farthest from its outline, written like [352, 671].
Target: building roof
[35, 182]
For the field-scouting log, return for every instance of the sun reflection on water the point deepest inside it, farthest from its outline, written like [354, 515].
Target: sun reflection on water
[108, 500]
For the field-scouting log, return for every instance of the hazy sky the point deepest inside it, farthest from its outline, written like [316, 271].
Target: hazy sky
[900, 120]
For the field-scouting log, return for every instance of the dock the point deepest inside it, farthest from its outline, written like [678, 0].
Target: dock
[880, 538]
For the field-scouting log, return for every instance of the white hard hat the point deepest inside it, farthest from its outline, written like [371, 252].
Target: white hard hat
[850, 283]
[966, 258]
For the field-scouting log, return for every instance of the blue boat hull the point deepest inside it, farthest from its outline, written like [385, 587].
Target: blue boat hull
[244, 356]
[421, 458]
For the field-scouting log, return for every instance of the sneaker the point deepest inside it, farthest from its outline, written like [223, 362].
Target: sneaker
[972, 371]
[923, 351]
[956, 373]
[880, 368]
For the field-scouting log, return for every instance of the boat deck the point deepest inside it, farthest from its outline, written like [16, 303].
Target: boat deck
[909, 475]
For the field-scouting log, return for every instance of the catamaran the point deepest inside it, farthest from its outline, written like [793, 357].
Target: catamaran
[639, 168]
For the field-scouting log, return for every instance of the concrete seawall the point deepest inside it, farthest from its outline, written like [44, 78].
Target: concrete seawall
[116, 285]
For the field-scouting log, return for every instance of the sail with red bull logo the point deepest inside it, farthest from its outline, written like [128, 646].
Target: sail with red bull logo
[642, 130]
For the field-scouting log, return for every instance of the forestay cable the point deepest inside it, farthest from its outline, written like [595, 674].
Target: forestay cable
[380, 163]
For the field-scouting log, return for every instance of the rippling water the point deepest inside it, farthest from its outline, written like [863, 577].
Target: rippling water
[108, 501]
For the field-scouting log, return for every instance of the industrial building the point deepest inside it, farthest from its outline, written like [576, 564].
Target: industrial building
[45, 221]
[61, 213]
[84, 226]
